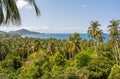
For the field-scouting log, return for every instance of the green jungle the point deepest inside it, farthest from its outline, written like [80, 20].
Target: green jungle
[73, 58]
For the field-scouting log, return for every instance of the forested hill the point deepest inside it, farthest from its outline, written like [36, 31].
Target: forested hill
[19, 32]
[22, 32]
[2, 32]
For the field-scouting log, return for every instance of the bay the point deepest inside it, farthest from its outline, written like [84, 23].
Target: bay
[61, 36]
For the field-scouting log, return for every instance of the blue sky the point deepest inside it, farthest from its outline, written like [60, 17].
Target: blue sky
[66, 16]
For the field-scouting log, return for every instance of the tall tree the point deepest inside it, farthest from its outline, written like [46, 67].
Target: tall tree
[99, 36]
[11, 13]
[74, 40]
[114, 37]
[95, 33]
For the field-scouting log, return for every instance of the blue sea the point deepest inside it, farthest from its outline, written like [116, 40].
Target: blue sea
[61, 36]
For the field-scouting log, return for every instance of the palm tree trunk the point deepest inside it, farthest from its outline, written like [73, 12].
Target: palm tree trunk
[116, 55]
[118, 52]
[95, 48]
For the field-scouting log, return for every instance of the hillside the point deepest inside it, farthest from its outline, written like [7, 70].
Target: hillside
[23, 31]
[2, 32]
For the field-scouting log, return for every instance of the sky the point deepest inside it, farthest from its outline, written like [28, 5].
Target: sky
[66, 16]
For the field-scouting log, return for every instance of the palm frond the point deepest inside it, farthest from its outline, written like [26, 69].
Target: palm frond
[12, 13]
[1, 13]
[32, 2]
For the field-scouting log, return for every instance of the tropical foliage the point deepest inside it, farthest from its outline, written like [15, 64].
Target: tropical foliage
[73, 58]
[9, 12]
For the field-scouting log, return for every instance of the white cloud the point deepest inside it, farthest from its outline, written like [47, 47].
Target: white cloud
[23, 4]
[53, 29]
[45, 27]
[83, 5]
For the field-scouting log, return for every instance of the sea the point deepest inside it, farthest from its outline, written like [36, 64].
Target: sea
[62, 36]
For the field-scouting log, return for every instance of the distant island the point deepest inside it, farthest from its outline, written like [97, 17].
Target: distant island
[2, 32]
[20, 32]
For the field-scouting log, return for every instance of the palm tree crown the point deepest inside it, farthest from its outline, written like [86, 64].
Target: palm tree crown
[114, 30]
[11, 12]
[100, 36]
[93, 29]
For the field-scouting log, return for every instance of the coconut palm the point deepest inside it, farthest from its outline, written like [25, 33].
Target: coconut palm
[99, 36]
[114, 37]
[11, 12]
[74, 40]
[94, 32]
[114, 30]
[93, 29]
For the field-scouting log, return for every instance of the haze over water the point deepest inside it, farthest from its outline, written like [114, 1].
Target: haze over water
[61, 36]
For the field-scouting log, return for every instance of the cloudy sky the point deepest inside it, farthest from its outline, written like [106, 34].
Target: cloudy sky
[66, 16]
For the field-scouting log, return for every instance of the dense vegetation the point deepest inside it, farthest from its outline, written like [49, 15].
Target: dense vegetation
[73, 58]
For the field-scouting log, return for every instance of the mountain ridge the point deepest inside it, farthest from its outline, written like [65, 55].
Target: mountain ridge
[3, 32]
[20, 32]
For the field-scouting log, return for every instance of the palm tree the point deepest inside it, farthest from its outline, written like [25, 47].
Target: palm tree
[114, 34]
[74, 41]
[99, 36]
[11, 12]
[95, 33]
[93, 29]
